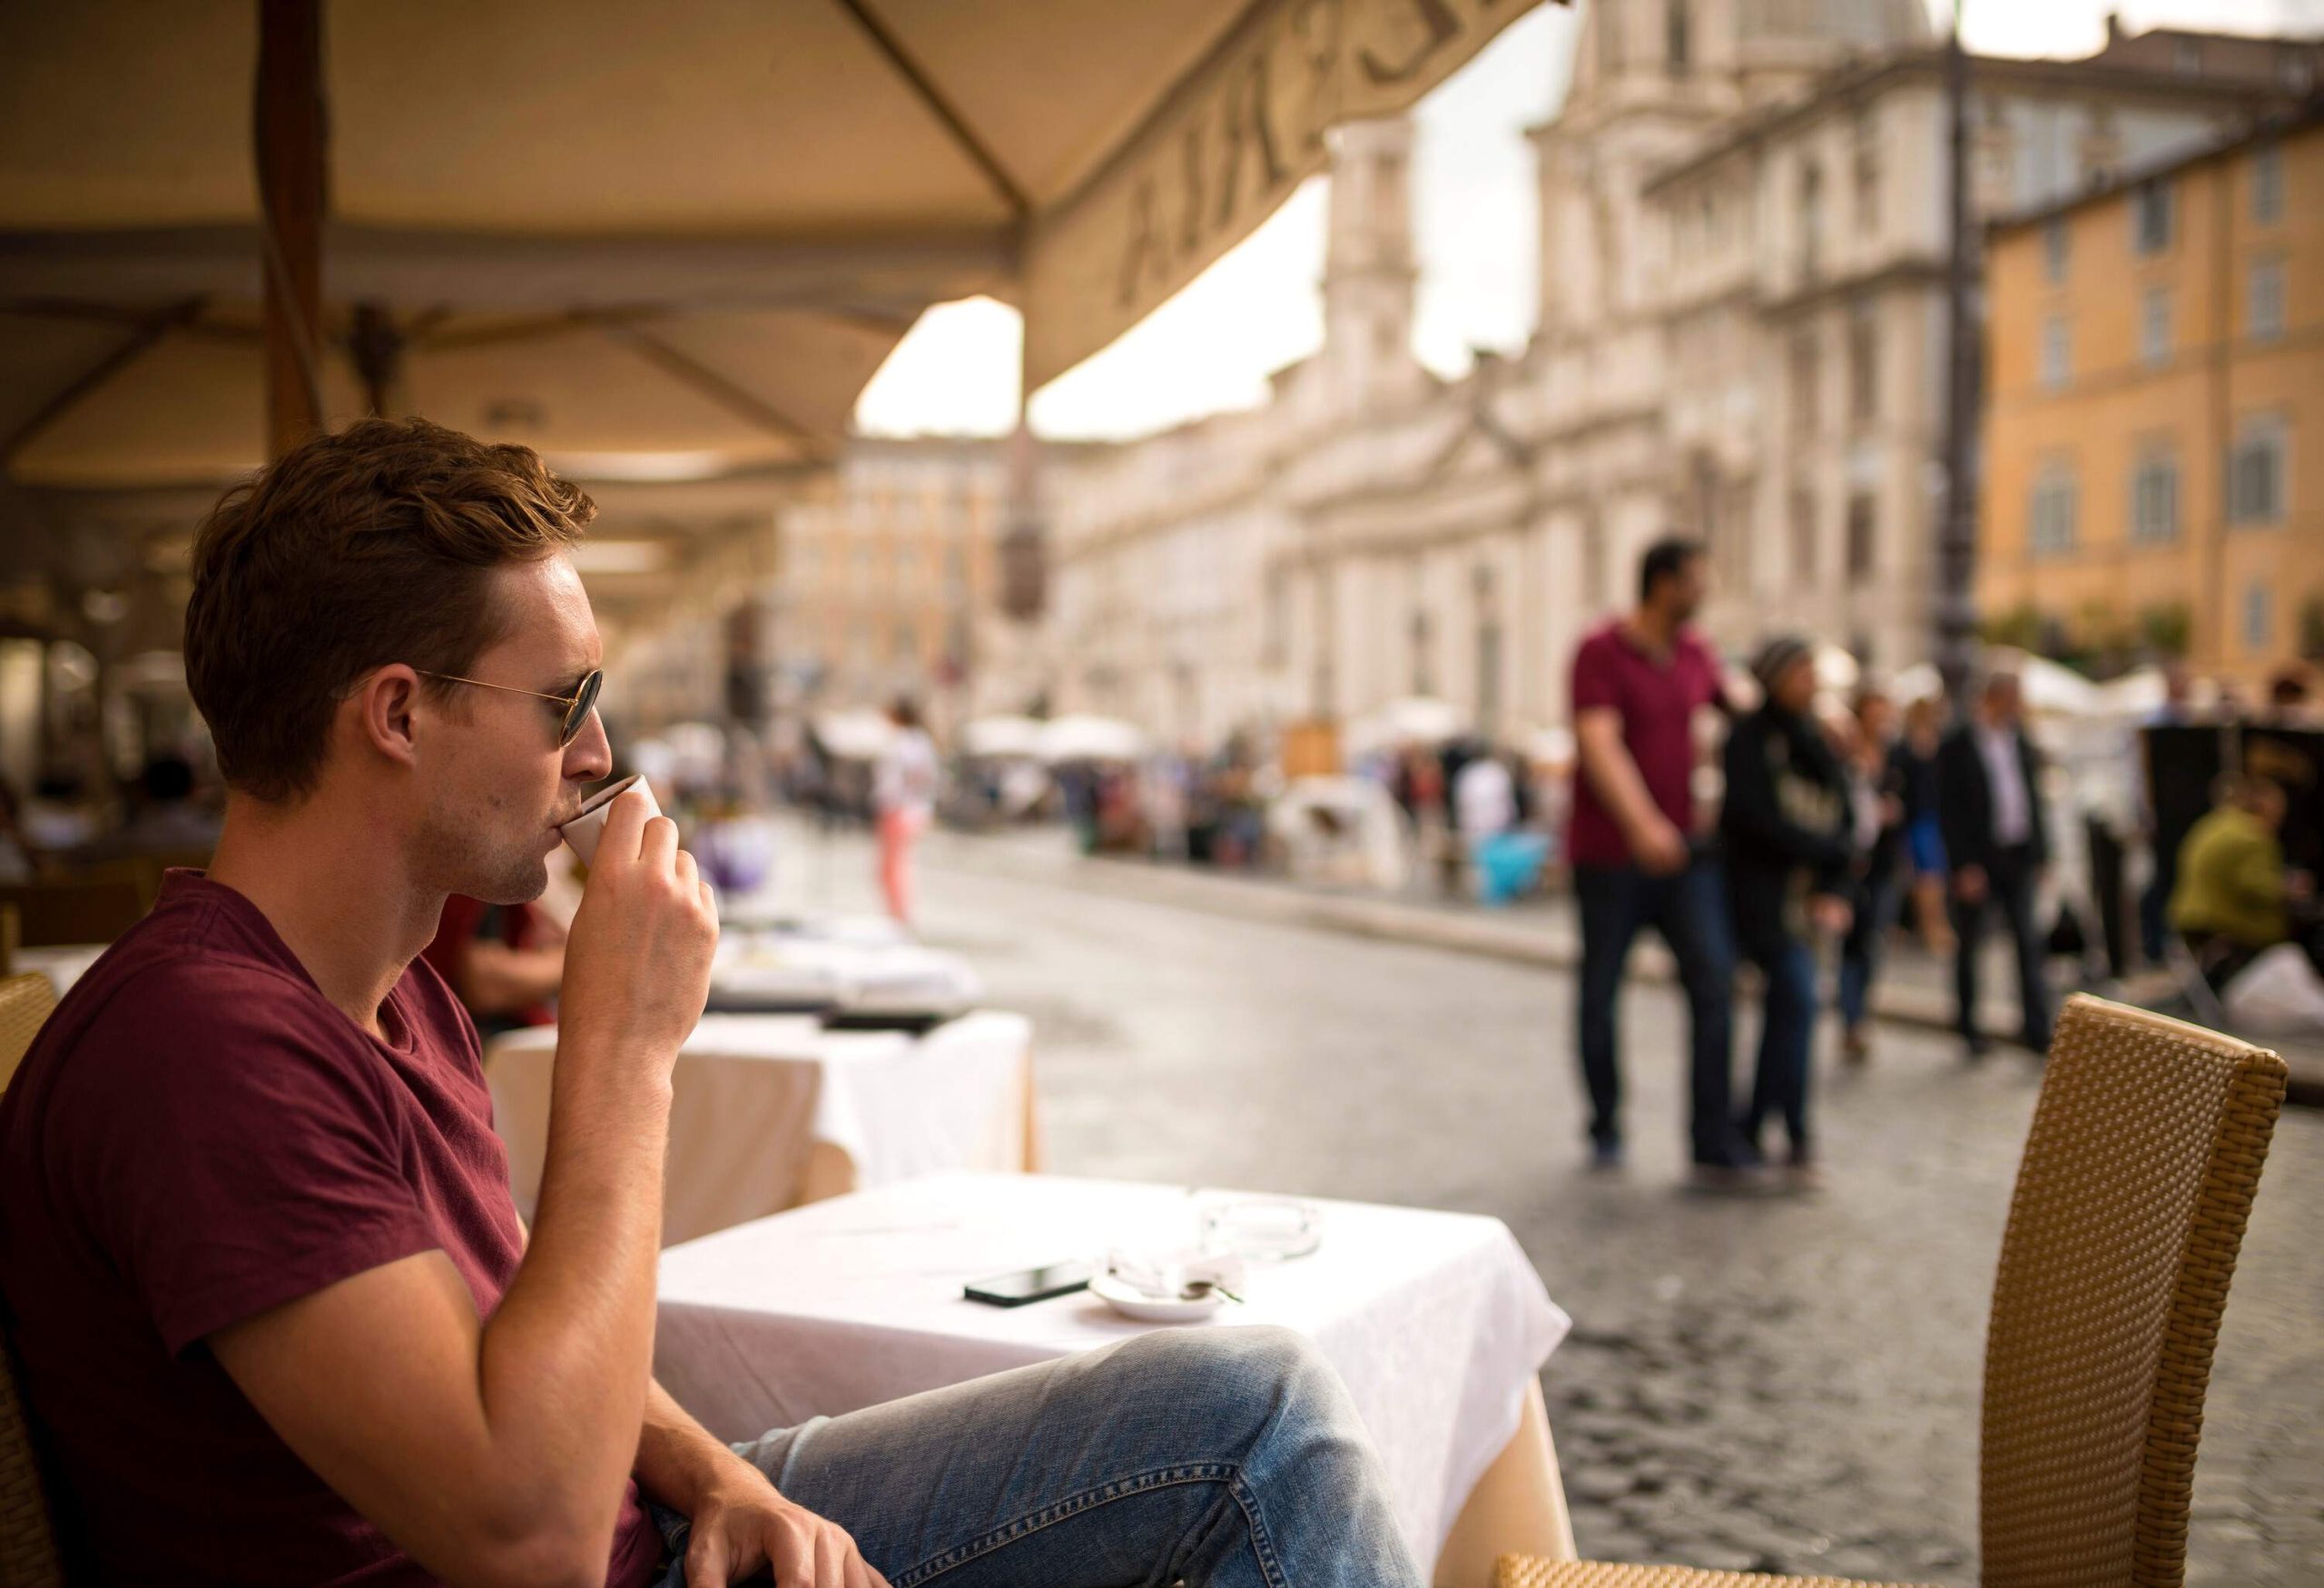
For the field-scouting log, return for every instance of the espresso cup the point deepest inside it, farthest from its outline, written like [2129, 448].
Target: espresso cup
[582, 833]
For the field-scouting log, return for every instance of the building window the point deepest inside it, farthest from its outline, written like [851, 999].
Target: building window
[2258, 616]
[1863, 365]
[1593, 564]
[2264, 305]
[1274, 638]
[1811, 220]
[2154, 326]
[1805, 419]
[1424, 679]
[1867, 177]
[2053, 249]
[2151, 217]
[2255, 473]
[2050, 515]
[1863, 539]
[2154, 499]
[2057, 352]
[1681, 40]
[1805, 551]
[2187, 57]
[2268, 184]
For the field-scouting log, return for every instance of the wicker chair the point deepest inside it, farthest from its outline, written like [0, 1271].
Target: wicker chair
[2130, 1202]
[28, 1557]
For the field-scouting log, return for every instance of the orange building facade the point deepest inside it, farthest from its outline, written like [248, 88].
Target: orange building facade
[2155, 404]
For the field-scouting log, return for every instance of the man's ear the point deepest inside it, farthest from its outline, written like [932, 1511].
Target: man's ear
[386, 707]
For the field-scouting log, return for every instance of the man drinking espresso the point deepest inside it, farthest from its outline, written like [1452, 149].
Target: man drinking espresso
[276, 1315]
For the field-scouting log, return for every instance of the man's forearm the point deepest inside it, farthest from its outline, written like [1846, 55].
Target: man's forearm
[1615, 778]
[677, 1458]
[566, 1358]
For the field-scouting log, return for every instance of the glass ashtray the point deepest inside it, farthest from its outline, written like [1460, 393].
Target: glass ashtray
[1266, 1229]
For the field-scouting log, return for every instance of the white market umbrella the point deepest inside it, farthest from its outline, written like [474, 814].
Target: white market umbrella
[1921, 681]
[1550, 747]
[2049, 688]
[857, 735]
[2137, 693]
[1091, 738]
[1414, 719]
[1003, 737]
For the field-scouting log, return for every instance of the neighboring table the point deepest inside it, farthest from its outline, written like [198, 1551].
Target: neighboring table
[1437, 1322]
[62, 963]
[768, 1111]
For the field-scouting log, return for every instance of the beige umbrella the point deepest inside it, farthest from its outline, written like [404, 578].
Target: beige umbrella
[690, 231]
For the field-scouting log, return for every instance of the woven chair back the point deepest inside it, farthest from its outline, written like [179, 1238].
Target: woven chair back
[2129, 1208]
[25, 1003]
[28, 1557]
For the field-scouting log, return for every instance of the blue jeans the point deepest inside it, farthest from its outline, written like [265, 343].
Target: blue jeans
[1230, 1457]
[2154, 905]
[1689, 911]
[1876, 898]
[1787, 1035]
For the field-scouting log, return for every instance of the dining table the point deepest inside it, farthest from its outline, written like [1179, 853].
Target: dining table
[1437, 1321]
[771, 1111]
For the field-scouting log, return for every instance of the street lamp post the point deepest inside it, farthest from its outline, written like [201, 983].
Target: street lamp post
[1956, 541]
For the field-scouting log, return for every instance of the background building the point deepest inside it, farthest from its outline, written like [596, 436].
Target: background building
[1744, 242]
[2158, 360]
[884, 572]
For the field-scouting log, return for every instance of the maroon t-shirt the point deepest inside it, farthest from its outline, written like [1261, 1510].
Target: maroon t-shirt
[199, 1135]
[1657, 699]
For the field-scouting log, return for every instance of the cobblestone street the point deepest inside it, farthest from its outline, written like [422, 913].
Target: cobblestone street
[1789, 1383]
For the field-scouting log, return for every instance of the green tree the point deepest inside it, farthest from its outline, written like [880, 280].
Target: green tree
[2166, 630]
[2020, 627]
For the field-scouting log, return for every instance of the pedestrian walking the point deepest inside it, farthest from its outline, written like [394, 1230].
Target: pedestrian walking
[1997, 844]
[903, 797]
[2162, 840]
[1876, 794]
[1913, 761]
[1639, 680]
[1788, 828]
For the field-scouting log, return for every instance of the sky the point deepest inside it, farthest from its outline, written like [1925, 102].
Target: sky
[1211, 347]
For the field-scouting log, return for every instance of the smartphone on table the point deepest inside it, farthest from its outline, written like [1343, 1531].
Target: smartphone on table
[1031, 1285]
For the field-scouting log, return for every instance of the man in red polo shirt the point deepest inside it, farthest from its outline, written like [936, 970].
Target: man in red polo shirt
[1639, 680]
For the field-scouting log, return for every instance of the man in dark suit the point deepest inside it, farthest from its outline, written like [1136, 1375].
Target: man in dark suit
[1997, 845]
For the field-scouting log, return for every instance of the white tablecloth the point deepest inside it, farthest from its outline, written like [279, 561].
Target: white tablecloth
[764, 1105]
[1437, 1320]
[62, 963]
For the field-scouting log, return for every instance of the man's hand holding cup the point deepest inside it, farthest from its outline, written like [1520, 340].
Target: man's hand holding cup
[637, 964]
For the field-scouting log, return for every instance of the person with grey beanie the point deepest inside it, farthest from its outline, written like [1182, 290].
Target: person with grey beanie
[1786, 826]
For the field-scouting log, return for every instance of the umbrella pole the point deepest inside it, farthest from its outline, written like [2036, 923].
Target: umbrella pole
[287, 127]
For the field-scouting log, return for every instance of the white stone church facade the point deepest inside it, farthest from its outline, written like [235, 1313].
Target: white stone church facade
[1742, 325]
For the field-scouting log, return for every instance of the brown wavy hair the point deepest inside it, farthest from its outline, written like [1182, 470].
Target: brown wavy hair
[349, 553]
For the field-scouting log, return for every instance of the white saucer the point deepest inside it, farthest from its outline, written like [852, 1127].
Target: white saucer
[1132, 1302]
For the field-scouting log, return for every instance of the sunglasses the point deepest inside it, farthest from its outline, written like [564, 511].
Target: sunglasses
[578, 705]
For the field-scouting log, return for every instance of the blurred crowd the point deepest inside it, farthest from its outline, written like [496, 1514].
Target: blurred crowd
[1789, 815]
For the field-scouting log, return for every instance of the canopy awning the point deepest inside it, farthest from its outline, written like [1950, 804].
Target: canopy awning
[685, 232]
